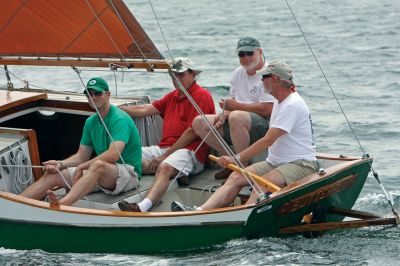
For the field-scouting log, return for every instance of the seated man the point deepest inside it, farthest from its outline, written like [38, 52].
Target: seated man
[289, 140]
[107, 171]
[175, 152]
[245, 116]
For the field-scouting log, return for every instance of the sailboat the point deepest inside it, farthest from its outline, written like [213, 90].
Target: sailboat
[37, 125]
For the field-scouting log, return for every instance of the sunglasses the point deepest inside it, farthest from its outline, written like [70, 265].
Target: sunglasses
[180, 75]
[266, 76]
[93, 93]
[243, 54]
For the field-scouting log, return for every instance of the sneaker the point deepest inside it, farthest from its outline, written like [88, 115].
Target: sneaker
[128, 207]
[223, 174]
[176, 206]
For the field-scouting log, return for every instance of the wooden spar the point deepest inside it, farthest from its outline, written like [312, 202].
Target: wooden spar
[149, 65]
[353, 213]
[261, 181]
[337, 225]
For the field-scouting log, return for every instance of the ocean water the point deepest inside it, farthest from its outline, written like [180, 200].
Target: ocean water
[357, 44]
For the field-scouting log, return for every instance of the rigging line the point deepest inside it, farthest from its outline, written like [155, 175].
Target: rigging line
[105, 30]
[375, 174]
[42, 167]
[162, 32]
[133, 39]
[229, 151]
[23, 81]
[107, 131]
[190, 159]
[326, 79]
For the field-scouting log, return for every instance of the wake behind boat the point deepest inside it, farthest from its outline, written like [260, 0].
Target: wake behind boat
[36, 126]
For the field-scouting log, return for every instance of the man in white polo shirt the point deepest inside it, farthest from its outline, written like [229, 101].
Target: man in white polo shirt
[246, 112]
[289, 140]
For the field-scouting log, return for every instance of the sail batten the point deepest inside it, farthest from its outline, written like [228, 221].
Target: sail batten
[104, 29]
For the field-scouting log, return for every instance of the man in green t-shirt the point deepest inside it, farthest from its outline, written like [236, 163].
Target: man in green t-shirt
[117, 166]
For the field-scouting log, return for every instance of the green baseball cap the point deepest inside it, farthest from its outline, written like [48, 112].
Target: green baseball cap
[247, 44]
[278, 68]
[97, 84]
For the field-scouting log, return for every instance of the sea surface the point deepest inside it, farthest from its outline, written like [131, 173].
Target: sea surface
[357, 44]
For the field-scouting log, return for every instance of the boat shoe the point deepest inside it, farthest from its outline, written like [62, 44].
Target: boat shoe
[128, 207]
[176, 206]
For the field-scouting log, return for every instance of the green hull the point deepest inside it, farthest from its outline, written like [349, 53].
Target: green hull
[266, 219]
[52, 238]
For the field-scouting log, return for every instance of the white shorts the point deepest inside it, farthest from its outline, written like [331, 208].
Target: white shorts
[124, 180]
[182, 159]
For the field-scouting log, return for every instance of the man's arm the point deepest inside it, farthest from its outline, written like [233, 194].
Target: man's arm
[187, 137]
[262, 144]
[140, 110]
[263, 108]
[111, 155]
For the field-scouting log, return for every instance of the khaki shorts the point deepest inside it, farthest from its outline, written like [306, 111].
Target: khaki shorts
[291, 172]
[258, 129]
[124, 179]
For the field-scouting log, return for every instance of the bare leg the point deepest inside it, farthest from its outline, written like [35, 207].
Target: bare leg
[227, 193]
[240, 125]
[99, 172]
[145, 168]
[201, 129]
[53, 199]
[48, 181]
[161, 182]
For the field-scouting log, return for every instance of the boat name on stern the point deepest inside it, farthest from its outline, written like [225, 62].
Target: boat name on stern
[317, 195]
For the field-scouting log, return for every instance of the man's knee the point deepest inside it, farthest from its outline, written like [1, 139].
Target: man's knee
[165, 170]
[237, 118]
[98, 167]
[198, 125]
[236, 179]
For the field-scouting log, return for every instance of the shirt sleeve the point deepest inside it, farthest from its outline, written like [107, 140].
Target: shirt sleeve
[161, 104]
[121, 131]
[86, 138]
[286, 118]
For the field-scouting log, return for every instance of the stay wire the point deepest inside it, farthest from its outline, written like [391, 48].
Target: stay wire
[107, 131]
[159, 26]
[365, 155]
[229, 151]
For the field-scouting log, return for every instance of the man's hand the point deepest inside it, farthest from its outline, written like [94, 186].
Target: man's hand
[229, 104]
[154, 163]
[78, 174]
[224, 161]
[219, 120]
[52, 166]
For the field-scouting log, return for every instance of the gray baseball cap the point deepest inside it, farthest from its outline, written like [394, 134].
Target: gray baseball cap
[247, 44]
[278, 68]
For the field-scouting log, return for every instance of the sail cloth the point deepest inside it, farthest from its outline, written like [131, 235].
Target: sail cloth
[71, 32]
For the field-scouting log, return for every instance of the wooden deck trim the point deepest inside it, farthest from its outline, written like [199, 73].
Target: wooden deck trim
[32, 144]
[12, 99]
[115, 213]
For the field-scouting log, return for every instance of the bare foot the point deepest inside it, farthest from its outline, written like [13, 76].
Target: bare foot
[53, 199]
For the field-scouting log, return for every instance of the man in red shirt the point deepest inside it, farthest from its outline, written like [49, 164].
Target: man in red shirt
[175, 152]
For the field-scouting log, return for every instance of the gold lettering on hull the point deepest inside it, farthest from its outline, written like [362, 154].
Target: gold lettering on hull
[317, 195]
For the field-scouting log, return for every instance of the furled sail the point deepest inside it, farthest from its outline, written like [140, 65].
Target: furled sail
[74, 33]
